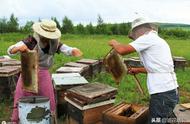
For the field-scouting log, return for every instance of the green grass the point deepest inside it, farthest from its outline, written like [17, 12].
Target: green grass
[95, 47]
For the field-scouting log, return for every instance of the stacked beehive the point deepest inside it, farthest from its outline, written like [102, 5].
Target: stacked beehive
[72, 74]
[9, 70]
[86, 103]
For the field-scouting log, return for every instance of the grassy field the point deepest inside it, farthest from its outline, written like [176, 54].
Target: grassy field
[95, 47]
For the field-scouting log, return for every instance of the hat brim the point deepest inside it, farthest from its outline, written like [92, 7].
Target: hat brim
[151, 23]
[50, 35]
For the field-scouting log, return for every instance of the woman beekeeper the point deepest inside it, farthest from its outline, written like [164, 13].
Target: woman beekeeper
[46, 41]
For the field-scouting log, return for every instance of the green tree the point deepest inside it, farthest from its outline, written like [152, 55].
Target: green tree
[124, 28]
[101, 27]
[115, 29]
[28, 26]
[13, 24]
[67, 26]
[3, 25]
[80, 29]
[90, 29]
[57, 22]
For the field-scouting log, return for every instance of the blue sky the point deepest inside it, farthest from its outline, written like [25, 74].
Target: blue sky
[85, 11]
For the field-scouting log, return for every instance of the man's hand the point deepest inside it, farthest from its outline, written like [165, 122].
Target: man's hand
[113, 42]
[76, 53]
[122, 49]
[133, 71]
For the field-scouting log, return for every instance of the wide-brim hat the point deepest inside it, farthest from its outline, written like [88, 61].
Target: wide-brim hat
[140, 21]
[47, 29]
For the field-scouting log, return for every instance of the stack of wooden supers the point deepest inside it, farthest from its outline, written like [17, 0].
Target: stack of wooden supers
[179, 62]
[86, 103]
[9, 62]
[62, 82]
[95, 65]
[9, 70]
[124, 113]
[85, 68]
[73, 74]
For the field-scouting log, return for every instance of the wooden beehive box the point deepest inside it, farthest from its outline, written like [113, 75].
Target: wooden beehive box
[69, 70]
[89, 114]
[125, 114]
[179, 62]
[9, 62]
[85, 67]
[7, 71]
[62, 82]
[86, 103]
[133, 62]
[65, 81]
[91, 93]
[8, 79]
[95, 66]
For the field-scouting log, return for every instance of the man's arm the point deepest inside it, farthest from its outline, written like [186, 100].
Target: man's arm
[126, 49]
[121, 48]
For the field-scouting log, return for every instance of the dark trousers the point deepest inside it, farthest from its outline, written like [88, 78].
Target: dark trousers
[161, 107]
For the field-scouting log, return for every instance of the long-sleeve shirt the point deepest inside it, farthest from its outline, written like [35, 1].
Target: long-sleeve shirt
[31, 43]
[45, 53]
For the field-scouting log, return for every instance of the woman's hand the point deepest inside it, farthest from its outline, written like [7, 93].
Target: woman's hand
[76, 53]
[22, 48]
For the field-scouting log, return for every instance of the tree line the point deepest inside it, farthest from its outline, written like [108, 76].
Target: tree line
[67, 27]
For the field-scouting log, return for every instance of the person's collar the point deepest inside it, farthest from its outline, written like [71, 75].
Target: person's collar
[152, 31]
[146, 33]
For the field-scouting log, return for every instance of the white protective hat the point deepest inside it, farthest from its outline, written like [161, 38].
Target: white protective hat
[140, 21]
[47, 29]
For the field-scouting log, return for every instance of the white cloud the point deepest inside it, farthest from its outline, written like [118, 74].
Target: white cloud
[86, 11]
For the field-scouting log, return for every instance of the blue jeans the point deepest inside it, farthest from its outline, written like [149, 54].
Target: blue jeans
[161, 107]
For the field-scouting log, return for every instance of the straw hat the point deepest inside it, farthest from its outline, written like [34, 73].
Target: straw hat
[140, 21]
[47, 29]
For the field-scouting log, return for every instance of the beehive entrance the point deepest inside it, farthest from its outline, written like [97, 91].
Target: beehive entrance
[127, 112]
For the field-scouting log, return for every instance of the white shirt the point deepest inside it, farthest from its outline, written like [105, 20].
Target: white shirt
[64, 48]
[157, 59]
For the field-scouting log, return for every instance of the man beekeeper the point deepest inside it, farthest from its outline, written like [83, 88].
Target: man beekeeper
[45, 40]
[156, 56]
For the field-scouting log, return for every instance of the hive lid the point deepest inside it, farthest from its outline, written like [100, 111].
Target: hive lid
[57, 75]
[87, 61]
[74, 64]
[92, 90]
[68, 79]
[69, 70]
[33, 99]
[6, 71]
[90, 106]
